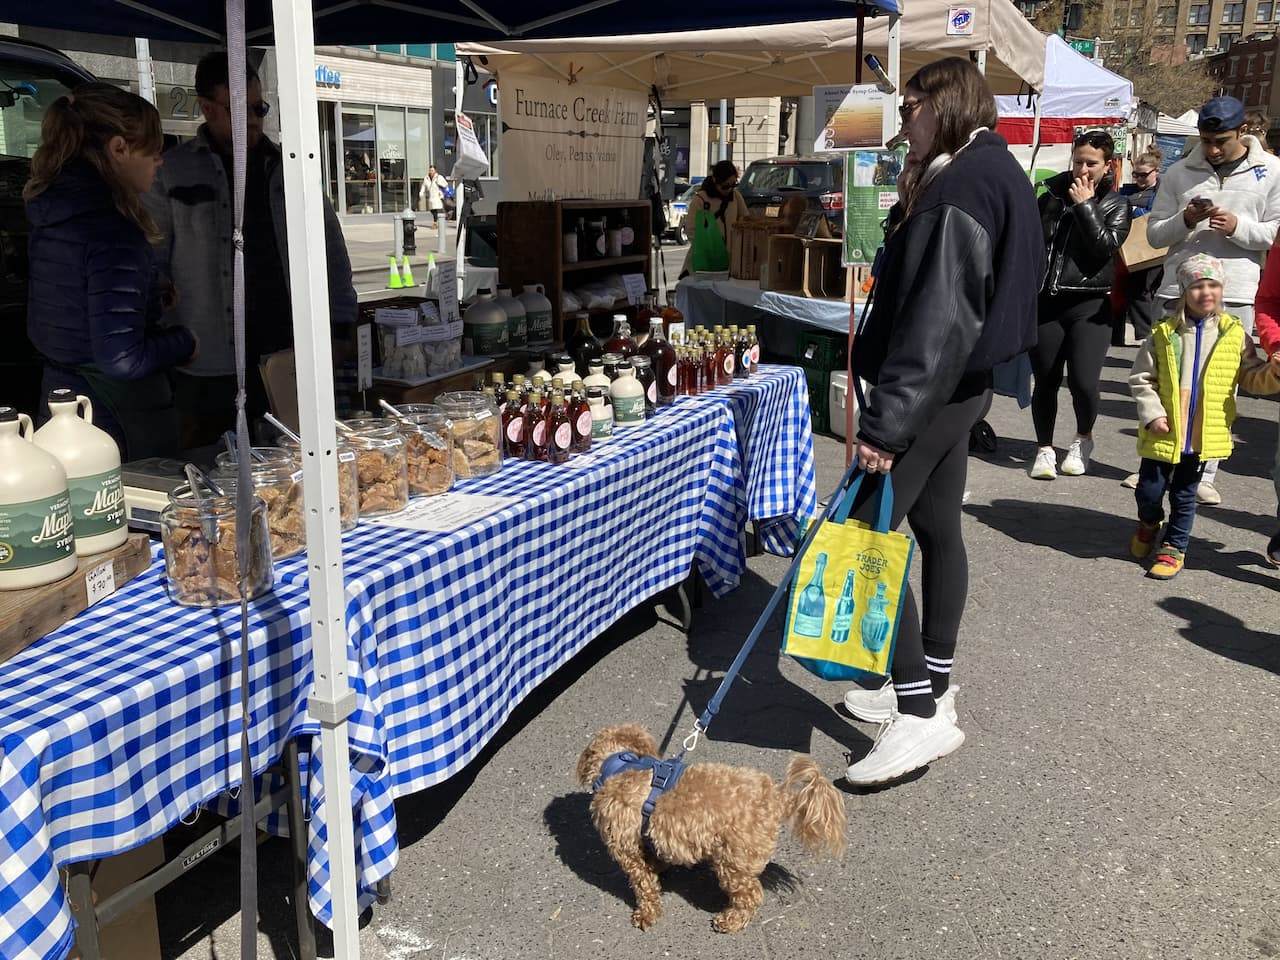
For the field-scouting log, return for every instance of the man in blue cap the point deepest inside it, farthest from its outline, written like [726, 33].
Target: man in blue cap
[1221, 199]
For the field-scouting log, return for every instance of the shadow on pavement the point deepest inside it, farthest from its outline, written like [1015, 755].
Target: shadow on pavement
[579, 847]
[1078, 531]
[1225, 634]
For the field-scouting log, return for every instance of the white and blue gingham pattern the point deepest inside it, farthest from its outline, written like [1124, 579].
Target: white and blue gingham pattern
[127, 718]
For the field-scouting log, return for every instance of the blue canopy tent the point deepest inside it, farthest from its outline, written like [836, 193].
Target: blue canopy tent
[294, 27]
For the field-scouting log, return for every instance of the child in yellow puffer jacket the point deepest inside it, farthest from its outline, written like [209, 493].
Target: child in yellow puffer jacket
[1184, 381]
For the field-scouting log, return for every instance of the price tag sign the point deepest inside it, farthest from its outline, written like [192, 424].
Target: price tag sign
[364, 356]
[447, 271]
[407, 335]
[100, 582]
[396, 317]
[636, 288]
[442, 331]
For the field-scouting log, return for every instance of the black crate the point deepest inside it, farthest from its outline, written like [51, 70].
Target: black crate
[820, 350]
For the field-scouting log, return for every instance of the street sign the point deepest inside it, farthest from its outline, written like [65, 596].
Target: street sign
[1081, 46]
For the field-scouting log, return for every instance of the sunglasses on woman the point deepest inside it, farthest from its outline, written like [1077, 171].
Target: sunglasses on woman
[907, 109]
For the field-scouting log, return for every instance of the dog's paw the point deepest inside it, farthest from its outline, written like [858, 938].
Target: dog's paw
[731, 921]
[645, 917]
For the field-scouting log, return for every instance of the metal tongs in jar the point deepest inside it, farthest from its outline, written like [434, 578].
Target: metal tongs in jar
[196, 478]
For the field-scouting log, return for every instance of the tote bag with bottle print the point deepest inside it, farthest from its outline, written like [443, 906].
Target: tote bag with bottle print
[846, 598]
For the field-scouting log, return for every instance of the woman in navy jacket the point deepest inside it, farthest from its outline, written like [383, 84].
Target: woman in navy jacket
[93, 305]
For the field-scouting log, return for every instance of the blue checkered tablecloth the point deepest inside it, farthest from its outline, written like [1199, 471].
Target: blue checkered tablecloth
[127, 719]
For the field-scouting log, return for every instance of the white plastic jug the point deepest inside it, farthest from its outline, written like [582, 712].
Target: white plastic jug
[37, 538]
[92, 461]
[537, 314]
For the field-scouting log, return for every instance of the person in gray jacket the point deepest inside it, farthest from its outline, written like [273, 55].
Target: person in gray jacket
[191, 204]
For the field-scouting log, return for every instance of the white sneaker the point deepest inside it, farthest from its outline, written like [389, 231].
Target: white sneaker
[1076, 462]
[1208, 494]
[876, 706]
[906, 743]
[1131, 481]
[1045, 466]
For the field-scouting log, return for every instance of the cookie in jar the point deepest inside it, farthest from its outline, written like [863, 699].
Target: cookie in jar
[348, 480]
[199, 535]
[381, 464]
[477, 433]
[429, 449]
[277, 480]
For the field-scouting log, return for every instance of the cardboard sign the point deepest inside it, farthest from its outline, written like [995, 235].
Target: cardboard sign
[364, 356]
[636, 287]
[447, 272]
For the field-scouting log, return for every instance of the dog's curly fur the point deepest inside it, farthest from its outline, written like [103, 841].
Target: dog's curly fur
[727, 816]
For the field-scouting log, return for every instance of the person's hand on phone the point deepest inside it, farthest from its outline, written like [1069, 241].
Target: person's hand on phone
[1159, 426]
[1223, 221]
[1196, 211]
[1082, 189]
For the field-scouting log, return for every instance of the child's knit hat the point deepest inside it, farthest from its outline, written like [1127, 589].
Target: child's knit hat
[1199, 267]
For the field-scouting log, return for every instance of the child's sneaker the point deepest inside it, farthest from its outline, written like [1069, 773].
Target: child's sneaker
[1045, 466]
[1143, 539]
[1169, 561]
[1076, 462]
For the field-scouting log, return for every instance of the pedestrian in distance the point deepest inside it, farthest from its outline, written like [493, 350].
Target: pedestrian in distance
[94, 300]
[1222, 199]
[1085, 221]
[1184, 380]
[432, 193]
[955, 297]
[1141, 287]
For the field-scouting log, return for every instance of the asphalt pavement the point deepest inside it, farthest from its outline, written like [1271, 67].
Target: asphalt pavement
[1116, 796]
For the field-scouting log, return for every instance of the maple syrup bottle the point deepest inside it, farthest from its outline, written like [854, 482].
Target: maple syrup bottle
[663, 357]
[672, 318]
[535, 428]
[647, 311]
[724, 359]
[559, 430]
[580, 414]
[741, 355]
[513, 426]
[707, 379]
[753, 343]
[620, 342]
[583, 345]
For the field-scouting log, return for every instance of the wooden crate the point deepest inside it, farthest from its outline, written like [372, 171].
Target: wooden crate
[27, 615]
[783, 272]
[824, 275]
[749, 246]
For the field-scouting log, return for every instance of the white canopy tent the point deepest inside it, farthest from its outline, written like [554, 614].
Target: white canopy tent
[782, 59]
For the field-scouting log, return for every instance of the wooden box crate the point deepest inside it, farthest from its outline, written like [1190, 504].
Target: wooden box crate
[749, 246]
[824, 275]
[783, 272]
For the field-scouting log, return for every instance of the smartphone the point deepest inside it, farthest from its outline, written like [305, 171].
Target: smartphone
[1201, 202]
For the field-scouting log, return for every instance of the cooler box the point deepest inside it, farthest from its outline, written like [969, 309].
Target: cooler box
[840, 399]
[820, 355]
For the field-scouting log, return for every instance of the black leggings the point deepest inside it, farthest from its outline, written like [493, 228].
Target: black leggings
[1074, 333]
[928, 486]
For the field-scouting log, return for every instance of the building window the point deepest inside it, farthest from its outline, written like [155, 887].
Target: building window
[1196, 42]
[1135, 17]
[418, 151]
[1266, 63]
[385, 153]
[359, 160]
[422, 51]
[1264, 94]
[1233, 66]
[1166, 16]
[1249, 61]
[1225, 40]
[1198, 14]
[1263, 13]
[1117, 17]
[1233, 13]
[1246, 94]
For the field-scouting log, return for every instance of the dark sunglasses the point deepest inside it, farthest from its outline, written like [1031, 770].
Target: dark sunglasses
[1139, 175]
[259, 109]
[908, 108]
[1098, 139]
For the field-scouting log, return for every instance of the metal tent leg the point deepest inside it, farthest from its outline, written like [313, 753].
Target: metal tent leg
[81, 892]
[298, 850]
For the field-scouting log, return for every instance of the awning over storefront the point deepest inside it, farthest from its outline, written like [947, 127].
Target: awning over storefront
[780, 58]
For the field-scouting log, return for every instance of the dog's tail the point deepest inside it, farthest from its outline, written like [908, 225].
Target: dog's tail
[814, 807]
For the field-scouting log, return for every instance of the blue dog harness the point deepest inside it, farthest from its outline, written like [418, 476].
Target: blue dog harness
[665, 774]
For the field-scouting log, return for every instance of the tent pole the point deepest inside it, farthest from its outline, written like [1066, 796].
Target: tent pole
[460, 191]
[331, 699]
[857, 56]
[982, 61]
[1035, 135]
[894, 69]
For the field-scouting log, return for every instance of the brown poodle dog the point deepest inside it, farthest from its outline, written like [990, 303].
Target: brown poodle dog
[728, 816]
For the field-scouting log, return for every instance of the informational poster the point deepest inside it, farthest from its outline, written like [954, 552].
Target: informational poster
[870, 191]
[852, 117]
[1173, 145]
[447, 271]
[566, 142]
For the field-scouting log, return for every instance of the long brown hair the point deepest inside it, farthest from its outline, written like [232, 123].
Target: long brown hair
[79, 126]
[962, 101]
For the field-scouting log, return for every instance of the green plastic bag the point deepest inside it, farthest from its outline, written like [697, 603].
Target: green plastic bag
[710, 255]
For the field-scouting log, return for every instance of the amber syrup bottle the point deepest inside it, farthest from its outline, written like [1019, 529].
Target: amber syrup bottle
[580, 414]
[559, 430]
[535, 428]
[513, 426]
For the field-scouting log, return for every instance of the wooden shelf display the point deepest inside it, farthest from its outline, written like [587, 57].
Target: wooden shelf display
[531, 247]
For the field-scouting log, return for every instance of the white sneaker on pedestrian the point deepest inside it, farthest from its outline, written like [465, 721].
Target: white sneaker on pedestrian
[1207, 494]
[877, 706]
[906, 743]
[1131, 481]
[1076, 462]
[1045, 466]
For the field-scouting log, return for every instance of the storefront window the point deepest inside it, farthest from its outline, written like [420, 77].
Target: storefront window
[419, 147]
[391, 159]
[359, 168]
[423, 50]
[329, 153]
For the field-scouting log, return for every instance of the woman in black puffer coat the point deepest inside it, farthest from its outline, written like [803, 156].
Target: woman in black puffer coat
[93, 305]
[1085, 221]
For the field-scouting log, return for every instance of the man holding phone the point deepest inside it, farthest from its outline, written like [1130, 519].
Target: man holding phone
[1221, 199]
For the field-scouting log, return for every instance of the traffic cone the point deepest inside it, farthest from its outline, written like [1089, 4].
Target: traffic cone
[393, 274]
[406, 272]
[431, 271]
